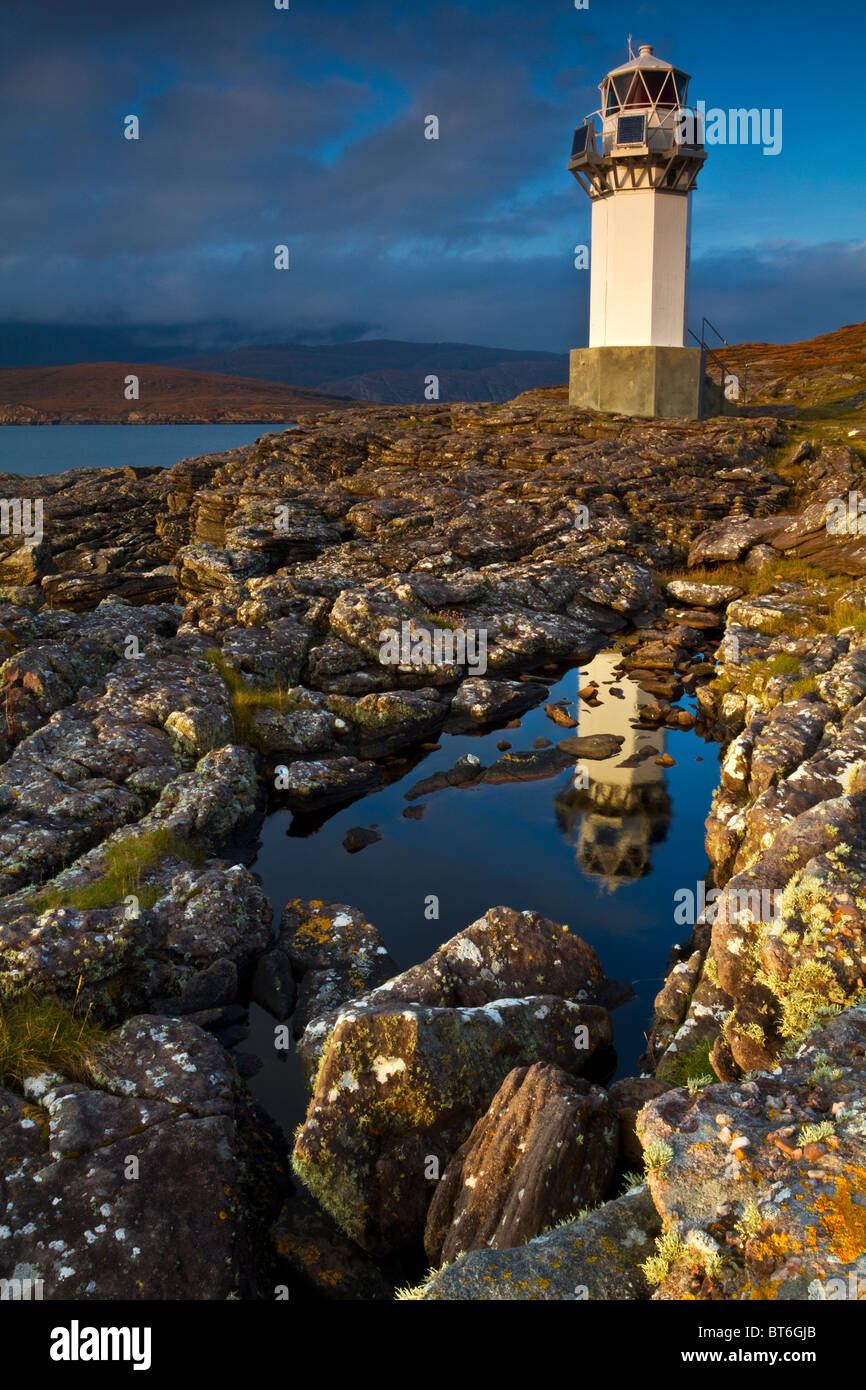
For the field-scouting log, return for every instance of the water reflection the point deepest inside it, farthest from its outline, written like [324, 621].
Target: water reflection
[619, 808]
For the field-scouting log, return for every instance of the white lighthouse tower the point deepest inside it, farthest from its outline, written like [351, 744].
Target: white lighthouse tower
[638, 158]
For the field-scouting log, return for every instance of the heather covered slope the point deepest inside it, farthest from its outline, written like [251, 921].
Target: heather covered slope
[827, 373]
[94, 393]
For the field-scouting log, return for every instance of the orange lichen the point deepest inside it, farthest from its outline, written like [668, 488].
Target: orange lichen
[843, 1216]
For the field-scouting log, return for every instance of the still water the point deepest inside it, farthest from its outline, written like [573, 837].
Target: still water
[33, 449]
[607, 860]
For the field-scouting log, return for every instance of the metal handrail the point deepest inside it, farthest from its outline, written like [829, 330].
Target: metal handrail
[705, 322]
[708, 352]
[624, 110]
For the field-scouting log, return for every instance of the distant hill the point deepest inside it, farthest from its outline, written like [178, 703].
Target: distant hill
[390, 371]
[93, 392]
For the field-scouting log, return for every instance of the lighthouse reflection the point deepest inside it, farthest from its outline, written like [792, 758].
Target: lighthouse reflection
[624, 808]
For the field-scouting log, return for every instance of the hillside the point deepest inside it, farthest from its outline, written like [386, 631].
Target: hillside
[93, 393]
[828, 370]
[392, 372]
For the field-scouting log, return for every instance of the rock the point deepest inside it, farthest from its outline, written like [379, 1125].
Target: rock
[564, 1265]
[486, 700]
[729, 1151]
[504, 954]
[727, 540]
[703, 595]
[532, 766]
[334, 951]
[273, 986]
[309, 784]
[359, 837]
[465, 773]
[560, 716]
[418, 1078]
[314, 1248]
[163, 1093]
[758, 558]
[545, 1148]
[592, 746]
[213, 921]
[627, 1098]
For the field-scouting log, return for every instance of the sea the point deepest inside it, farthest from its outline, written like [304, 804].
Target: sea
[29, 450]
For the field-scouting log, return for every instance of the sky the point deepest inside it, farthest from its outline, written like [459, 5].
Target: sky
[305, 127]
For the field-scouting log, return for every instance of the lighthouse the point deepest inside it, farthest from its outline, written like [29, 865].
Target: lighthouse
[638, 159]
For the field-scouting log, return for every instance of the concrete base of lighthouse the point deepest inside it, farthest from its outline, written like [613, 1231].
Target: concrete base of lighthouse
[642, 381]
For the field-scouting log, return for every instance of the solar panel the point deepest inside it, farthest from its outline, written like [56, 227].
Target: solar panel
[630, 130]
[578, 144]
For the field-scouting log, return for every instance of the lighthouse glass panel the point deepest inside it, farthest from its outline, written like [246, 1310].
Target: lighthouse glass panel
[661, 89]
[682, 85]
[618, 92]
[636, 95]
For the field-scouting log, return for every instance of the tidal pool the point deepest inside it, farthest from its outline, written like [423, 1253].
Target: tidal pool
[607, 858]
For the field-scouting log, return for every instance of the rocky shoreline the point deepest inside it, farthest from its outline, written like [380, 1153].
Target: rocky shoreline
[184, 648]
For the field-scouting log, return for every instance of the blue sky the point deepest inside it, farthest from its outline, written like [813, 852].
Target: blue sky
[305, 127]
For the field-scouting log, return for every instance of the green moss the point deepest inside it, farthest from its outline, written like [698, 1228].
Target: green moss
[126, 860]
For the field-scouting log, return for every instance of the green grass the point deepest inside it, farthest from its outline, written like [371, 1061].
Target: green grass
[247, 698]
[846, 615]
[126, 861]
[39, 1034]
[786, 568]
[691, 1066]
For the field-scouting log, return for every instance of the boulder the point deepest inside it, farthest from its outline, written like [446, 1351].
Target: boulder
[503, 955]
[399, 1089]
[564, 1266]
[545, 1149]
[760, 1184]
[185, 1224]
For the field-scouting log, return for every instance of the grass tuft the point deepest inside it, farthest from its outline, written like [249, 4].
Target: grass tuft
[126, 861]
[38, 1033]
[247, 698]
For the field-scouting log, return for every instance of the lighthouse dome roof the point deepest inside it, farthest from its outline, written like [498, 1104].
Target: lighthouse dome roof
[645, 59]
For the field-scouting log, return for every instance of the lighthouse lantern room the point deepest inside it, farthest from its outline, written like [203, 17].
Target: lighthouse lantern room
[638, 158]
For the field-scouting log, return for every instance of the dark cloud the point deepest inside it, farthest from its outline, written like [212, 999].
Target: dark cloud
[262, 127]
